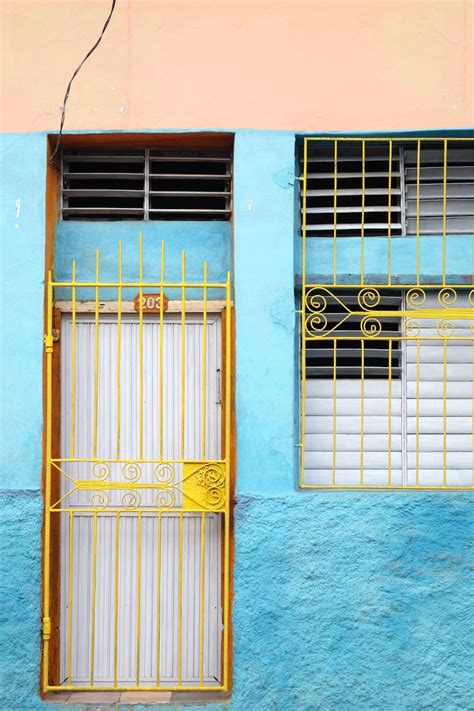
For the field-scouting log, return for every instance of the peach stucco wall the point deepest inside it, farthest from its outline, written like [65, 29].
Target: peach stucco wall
[311, 65]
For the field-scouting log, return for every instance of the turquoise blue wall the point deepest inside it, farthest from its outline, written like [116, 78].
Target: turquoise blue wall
[211, 241]
[343, 600]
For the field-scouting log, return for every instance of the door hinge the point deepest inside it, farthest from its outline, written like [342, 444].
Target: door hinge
[46, 627]
[48, 344]
[50, 340]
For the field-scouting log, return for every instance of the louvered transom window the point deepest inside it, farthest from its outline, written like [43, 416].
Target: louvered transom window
[347, 355]
[430, 164]
[368, 188]
[334, 190]
[146, 185]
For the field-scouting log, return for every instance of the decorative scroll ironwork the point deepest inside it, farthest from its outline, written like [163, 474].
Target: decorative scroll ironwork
[367, 318]
[201, 487]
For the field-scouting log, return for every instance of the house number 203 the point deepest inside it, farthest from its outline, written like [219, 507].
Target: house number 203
[150, 303]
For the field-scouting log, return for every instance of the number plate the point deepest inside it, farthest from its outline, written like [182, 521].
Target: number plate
[150, 303]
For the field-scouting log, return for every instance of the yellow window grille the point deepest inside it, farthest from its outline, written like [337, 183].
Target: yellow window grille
[387, 385]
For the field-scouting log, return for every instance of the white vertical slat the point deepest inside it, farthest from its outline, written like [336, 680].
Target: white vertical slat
[430, 442]
[106, 522]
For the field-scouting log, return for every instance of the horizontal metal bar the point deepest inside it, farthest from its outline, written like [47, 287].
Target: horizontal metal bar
[408, 487]
[102, 210]
[189, 159]
[111, 158]
[137, 461]
[348, 352]
[454, 172]
[102, 192]
[388, 287]
[190, 193]
[350, 174]
[353, 209]
[358, 335]
[383, 157]
[435, 190]
[353, 226]
[189, 176]
[139, 509]
[144, 284]
[352, 191]
[393, 139]
[351, 370]
[156, 687]
[103, 176]
[179, 211]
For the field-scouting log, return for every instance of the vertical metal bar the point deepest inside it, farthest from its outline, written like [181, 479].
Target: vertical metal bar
[402, 186]
[183, 356]
[160, 395]
[96, 352]
[201, 614]
[228, 395]
[362, 226]
[116, 594]
[418, 171]
[140, 345]
[138, 620]
[445, 176]
[445, 360]
[303, 316]
[146, 186]
[334, 413]
[93, 593]
[362, 405]
[69, 610]
[389, 442]
[73, 364]
[335, 215]
[472, 423]
[158, 598]
[389, 230]
[180, 602]
[119, 334]
[204, 367]
[47, 502]
[417, 413]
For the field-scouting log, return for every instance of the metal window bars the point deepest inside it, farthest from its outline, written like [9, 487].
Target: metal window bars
[137, 485]
[146, 184]
[411, 426]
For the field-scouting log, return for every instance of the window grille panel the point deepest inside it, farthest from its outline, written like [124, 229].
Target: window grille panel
[354, 190]
[387, 408]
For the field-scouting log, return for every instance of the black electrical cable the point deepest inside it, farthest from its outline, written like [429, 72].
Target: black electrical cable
[52, 160]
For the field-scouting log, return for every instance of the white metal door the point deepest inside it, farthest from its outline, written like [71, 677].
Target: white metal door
[120, 632]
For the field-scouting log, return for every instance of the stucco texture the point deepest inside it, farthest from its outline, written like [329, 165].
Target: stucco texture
[313, 65]
[342, 601]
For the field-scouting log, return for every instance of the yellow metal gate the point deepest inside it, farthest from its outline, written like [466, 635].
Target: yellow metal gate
[387, 396]
[139, 494]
